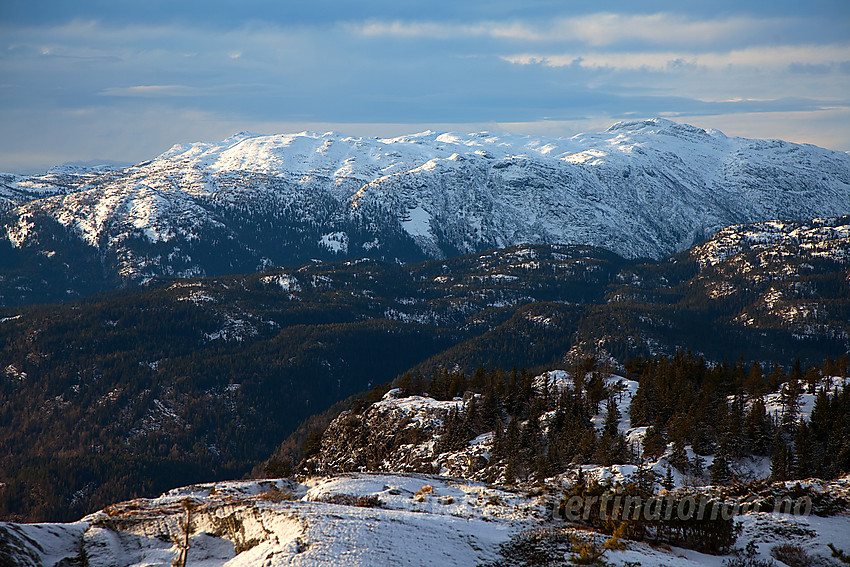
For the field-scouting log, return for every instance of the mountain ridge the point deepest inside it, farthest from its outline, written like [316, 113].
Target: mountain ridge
[640, 189]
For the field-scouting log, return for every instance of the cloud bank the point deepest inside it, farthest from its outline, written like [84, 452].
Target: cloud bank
[122, 85]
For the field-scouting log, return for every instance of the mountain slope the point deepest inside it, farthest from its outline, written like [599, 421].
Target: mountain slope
[639, 189]
[181, 381]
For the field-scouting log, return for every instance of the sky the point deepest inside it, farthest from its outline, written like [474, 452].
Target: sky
[122, 81]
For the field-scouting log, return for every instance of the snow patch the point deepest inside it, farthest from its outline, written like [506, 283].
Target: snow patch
[336, 242]
[417, 222]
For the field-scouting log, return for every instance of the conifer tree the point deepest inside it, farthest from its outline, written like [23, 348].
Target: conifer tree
[668, 483]
[753, 384]
[790, 399]
[679, 456]
[653, 442]
[489, 409]
[780, 462]
[698, 466]
[512, 449]
[498, 451]
[595, 392]
[719, 470]
[612, 418]
[732, 437]
[645, 479]
[776, 378]
[472, 422]
[757, 428]
[804, 465]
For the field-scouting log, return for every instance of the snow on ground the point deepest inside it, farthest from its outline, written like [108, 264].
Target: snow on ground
[806, 402]
[358, 519]
[336, 242]
[418, 222]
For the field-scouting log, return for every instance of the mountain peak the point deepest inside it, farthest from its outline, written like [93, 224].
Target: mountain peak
[640, 189]
[240, 136]
[637, 125]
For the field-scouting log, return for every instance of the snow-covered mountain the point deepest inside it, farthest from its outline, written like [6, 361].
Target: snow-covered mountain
[640, 189]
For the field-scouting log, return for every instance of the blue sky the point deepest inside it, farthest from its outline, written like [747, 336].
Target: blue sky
[124, 80]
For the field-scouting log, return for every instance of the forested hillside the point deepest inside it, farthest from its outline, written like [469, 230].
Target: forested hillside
[179, 381]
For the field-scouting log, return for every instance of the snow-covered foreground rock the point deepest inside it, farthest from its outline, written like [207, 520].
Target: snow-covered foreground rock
[412, 518]
[360, 519]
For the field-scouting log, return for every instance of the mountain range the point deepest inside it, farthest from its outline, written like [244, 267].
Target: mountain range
[641, 189]
[211, 300]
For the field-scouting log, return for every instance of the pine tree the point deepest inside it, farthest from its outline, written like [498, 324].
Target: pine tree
[776, 378]
[780, 462]
[757, 428]
[753, 385]
[478, 379]
[719, 470]
[698, 466]
[512, 450]
[529, 445]
[668, 483]
[405, 383]
[472, 422]
[595, 392]
[499, 450]
[732, 439]
[790, 399]
[679, 456]
[612, 418]
[587, 445]
[804, 465]
[645, 479]
[653, 442]
[490, 409]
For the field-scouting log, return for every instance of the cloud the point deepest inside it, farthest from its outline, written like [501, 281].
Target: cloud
[153, 91]
[760, 57]
[77, 88]
[601, 29]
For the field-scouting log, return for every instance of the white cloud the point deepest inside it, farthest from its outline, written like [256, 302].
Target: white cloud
[601, 29]
[152, 91]
[659, 29]
[759, 57]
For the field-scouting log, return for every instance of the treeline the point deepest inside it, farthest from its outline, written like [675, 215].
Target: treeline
[721, 410]
[541, 428]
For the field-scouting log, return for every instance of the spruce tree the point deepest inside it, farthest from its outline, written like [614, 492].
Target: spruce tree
[780, 462]
[698, 466]
[804, 465]
[668, 483]
[753, 385]
[679, 456]
[719, 470]
[790, 398]
[612, 418]
[757, 428]
[653, 442]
